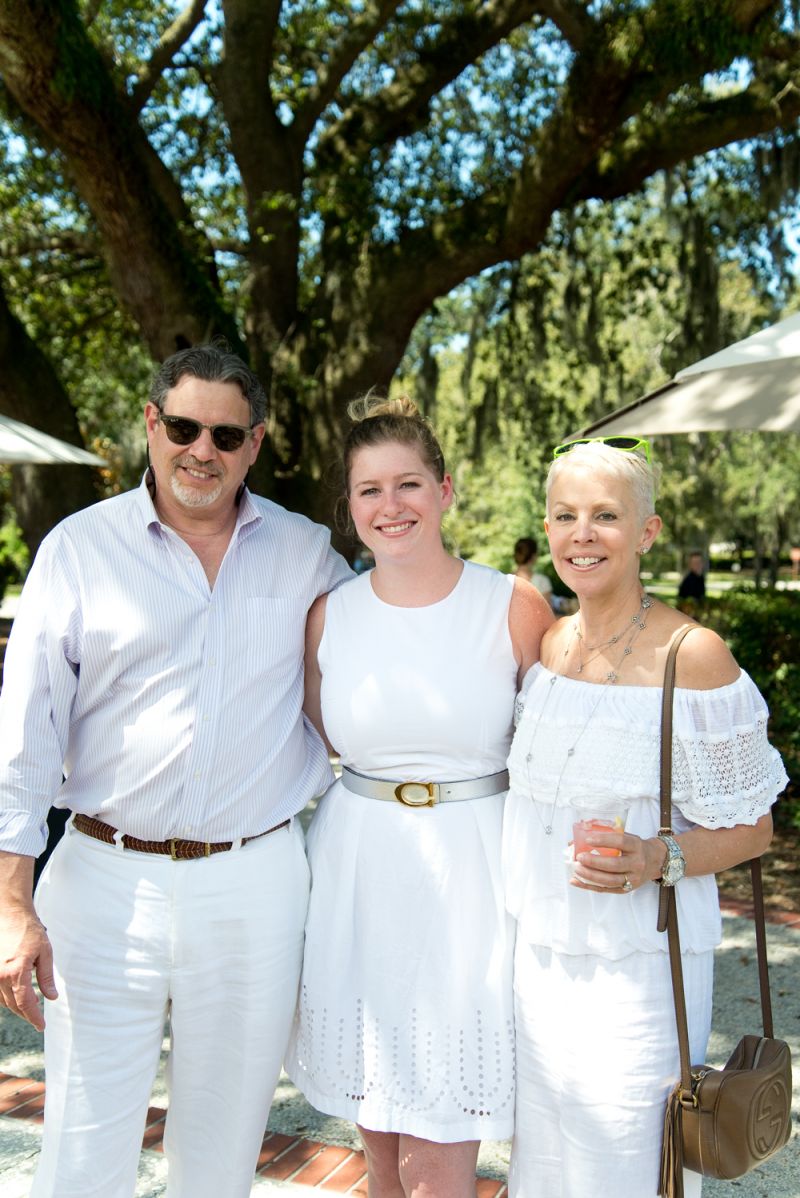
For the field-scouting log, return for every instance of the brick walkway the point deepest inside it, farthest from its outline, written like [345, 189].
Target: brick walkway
[282, 1158]
[789, 919]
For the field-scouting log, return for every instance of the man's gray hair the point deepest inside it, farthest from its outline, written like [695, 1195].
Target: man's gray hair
[214, 363]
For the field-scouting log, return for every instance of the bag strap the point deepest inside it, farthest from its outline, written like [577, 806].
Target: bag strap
[667, 907]
[761, 946]
[667, 910]
[666, 757]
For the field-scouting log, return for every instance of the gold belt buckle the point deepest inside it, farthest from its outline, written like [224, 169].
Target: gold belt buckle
[426, 799]
[173, 852]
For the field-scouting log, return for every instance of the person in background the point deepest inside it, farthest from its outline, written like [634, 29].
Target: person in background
[693, 583]
[584, 859]
[405, 1021]
[156, 660]
[526, 551]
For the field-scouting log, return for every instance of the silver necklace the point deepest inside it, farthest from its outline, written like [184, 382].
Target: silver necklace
[637, 625]
[637, 618]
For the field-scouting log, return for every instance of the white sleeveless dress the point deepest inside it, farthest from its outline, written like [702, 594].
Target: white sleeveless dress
[405, 1017]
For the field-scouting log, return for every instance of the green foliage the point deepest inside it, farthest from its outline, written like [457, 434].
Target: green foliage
[14, 557]
[331, 168]
[762, 629]
[13, 550]
[737, 487]
[615, 299]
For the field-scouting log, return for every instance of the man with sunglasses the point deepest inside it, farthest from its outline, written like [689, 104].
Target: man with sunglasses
[156, 662]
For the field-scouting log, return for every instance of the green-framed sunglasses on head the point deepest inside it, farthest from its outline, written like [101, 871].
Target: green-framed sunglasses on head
[626, 444]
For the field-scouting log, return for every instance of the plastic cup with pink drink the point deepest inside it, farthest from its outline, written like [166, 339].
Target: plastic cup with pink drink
[585, 827]
[597, 814]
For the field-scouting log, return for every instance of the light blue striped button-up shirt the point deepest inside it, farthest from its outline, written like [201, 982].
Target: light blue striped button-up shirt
[172, 709]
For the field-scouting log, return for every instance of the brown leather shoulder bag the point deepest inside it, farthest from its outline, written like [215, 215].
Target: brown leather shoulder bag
[719, 1122]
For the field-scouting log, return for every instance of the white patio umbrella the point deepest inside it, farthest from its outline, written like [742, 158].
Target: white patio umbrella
[753, 384]
[21, 443]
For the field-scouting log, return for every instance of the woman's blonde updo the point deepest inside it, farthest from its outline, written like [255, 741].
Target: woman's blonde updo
[376, 421]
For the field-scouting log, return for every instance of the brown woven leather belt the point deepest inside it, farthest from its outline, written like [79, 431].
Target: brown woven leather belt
[178, 850]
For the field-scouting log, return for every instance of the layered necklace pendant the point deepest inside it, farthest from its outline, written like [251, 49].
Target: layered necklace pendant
[634, 627]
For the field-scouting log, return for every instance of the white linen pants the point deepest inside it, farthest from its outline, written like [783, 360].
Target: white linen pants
[214, 945]
[597, 1054]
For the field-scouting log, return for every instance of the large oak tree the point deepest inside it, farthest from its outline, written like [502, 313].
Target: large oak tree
[306, 177]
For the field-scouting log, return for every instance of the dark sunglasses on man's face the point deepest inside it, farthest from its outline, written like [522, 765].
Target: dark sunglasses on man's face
[181, 430]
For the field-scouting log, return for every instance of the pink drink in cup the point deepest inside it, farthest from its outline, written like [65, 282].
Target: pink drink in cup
[584, 827]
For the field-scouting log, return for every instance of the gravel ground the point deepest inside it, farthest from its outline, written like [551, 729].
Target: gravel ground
[736, 1011]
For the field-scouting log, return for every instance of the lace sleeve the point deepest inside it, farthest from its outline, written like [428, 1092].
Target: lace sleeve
[725, 771]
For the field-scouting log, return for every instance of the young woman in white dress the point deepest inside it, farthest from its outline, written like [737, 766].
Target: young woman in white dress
[595, 1025]
[405, 1018]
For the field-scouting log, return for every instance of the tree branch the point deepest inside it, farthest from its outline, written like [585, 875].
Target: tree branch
[747, 12]
[583, 149]
[684, 135]
[570, 19]
[782, 49]
[403, 105]
[78, 245]
[249, 108]
[62, 83]
[360, 33]
[169, 44]
[230, 245]
[271, 165]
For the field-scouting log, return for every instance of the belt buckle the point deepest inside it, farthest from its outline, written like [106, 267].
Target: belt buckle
[176, 840]
[428, 799]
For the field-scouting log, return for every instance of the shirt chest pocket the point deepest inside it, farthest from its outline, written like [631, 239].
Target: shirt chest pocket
[275, 635]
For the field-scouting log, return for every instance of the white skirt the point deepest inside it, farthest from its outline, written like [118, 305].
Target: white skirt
[597, 1055]
[405, 1017]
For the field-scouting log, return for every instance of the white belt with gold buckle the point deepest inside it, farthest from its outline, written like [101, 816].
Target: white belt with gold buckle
[424, 794]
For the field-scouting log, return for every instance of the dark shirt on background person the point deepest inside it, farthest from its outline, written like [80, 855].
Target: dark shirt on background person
[693, 583]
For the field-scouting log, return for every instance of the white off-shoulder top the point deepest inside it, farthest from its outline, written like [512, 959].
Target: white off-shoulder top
[725, 772]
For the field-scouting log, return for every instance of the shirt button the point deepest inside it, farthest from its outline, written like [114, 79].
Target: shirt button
[197, 773]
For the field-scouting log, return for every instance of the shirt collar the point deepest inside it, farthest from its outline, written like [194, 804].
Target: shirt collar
[246, 516]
